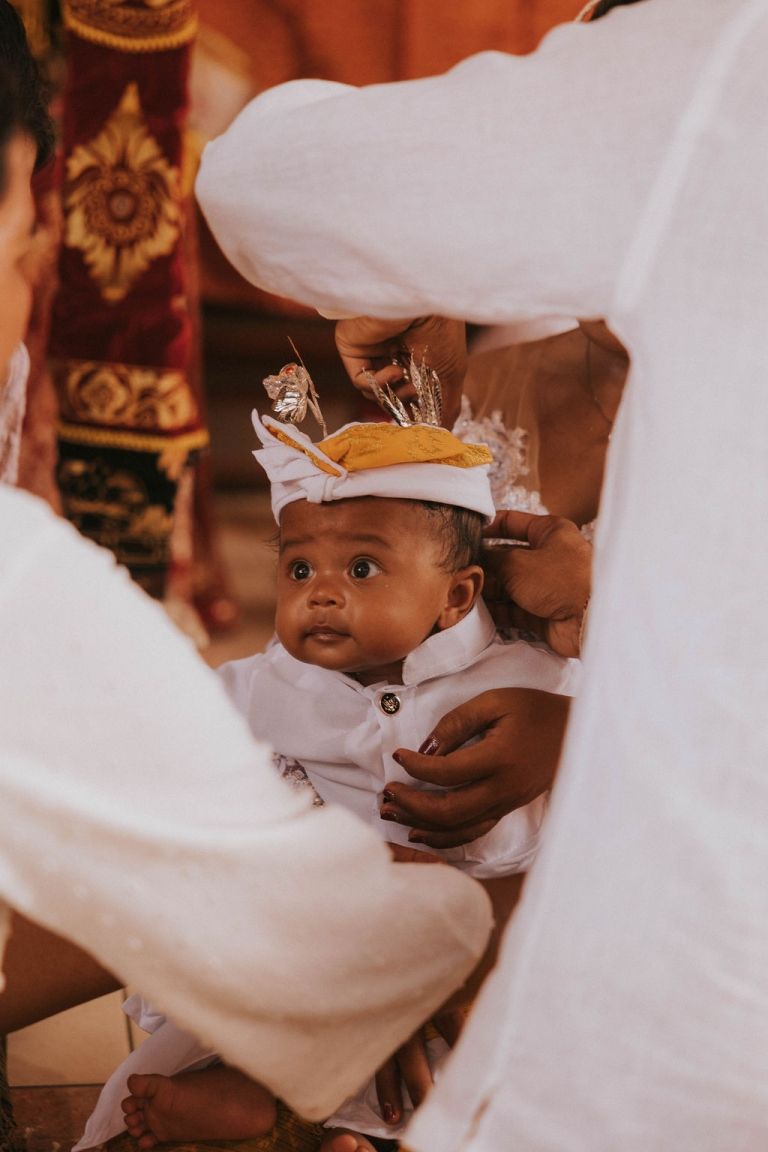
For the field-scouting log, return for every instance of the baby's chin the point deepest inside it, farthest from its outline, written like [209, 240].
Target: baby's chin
[329, 657]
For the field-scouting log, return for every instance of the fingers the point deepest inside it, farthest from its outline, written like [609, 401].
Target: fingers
[449, 1024]
[523, 526]
[451, 811]
[465, 766]
[414, 1067]
[391, 376]
[402, 854]
[434, 838]
[470, 719]
[389, 1092]
[367, 344]
[512, 525]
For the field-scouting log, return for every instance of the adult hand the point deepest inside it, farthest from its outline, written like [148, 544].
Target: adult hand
[410, 1066]
[548, 583]
[520, 734]
[367, 345]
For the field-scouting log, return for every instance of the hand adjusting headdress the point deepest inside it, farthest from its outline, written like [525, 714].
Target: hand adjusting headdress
[418, 461]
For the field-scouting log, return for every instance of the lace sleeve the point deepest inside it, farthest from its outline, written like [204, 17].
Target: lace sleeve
[13, 400]
[295, 774]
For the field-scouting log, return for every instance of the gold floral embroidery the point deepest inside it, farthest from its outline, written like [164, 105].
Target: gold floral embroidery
[133, 25]
[114, 507]
[121, 200]
[125, 395]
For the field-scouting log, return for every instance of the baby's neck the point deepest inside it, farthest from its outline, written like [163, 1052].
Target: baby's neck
[388, 674]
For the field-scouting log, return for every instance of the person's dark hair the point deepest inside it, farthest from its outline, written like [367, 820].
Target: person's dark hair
[605, 6]
[23, 93]
[458, 530]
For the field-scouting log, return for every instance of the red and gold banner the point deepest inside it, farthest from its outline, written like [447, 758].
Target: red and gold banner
[122, 329]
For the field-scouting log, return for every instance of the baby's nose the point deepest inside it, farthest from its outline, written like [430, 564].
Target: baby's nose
[324, 592]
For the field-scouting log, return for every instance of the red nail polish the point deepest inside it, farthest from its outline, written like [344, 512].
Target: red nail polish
[388, 816]
[390, 1115]
[397, 758]
[430, 746]
[387, 796]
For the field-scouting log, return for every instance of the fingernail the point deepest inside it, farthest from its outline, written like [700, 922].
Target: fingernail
[387, 815]
[387, 796]
[390, 1114]
[430, 746]
[415, 838]
[397, 758]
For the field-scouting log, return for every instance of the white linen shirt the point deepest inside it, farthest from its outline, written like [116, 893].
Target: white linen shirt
[621, 171]
[344, 733]
[140, 819]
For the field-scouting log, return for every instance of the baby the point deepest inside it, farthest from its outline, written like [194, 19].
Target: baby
[380, 630]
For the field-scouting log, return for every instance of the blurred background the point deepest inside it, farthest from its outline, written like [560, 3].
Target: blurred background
[148, 349]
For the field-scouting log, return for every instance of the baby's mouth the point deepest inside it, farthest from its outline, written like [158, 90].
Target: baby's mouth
[324, 631]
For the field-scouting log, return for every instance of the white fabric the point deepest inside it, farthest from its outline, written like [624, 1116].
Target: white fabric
[13, 403]
[139, 818]
[340, 734]
[620, 171]
[293, 475]
[336, 730]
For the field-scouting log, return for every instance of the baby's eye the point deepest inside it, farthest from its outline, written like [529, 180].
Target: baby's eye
[362, 569]
[300, 570]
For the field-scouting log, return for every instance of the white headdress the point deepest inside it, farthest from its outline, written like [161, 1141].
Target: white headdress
[419, 462]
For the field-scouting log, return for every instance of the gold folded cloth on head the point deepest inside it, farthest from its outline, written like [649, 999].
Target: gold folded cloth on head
[362, 446]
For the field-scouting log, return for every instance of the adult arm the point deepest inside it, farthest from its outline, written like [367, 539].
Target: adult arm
[139, 819]
[500, 190]
[45, 974]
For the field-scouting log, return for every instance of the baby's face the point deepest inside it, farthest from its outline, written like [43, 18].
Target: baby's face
[359, 584]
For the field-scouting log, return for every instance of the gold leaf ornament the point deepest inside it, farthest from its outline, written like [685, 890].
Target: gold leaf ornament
[121, 200]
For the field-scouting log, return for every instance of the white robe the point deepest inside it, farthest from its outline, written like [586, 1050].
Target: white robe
[139, 818]
[336, 730]
[620, 172]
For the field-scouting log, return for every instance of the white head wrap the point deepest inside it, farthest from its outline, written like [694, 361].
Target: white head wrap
[448, 472]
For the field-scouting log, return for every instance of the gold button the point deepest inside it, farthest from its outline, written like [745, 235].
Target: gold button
[390, 703]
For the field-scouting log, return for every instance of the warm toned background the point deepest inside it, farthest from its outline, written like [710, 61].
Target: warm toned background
[242, 47]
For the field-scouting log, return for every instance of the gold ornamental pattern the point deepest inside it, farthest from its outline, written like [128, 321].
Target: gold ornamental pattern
[133, 25]
[121, 200]
[125, 396]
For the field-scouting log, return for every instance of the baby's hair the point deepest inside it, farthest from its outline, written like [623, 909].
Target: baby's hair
[458, 530]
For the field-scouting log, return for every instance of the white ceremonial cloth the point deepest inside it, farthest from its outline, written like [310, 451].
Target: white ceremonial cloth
[620, 171]
[139, 818]
[340, 733]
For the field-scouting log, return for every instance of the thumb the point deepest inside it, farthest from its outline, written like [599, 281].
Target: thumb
[460, 725]
[511, 525]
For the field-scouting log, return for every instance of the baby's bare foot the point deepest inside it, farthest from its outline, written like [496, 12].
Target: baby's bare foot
[215, 1103]
[345, 1140]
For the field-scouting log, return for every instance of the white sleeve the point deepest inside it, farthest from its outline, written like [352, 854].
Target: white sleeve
[509, 187]
[139, 819]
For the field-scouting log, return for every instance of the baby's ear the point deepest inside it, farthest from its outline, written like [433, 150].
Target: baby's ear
[466, 586]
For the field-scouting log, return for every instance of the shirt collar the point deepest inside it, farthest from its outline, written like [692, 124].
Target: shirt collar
[452, 649]
[439, 655]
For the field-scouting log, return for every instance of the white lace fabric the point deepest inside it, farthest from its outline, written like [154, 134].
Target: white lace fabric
[13, 403]
[509, 446]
